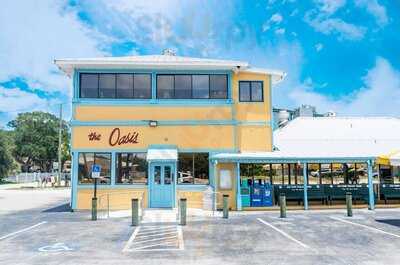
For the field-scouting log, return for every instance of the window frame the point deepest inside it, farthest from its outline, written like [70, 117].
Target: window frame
[117, 168]
[98, 74]
[94, 162]
[191, 86]
[250, 82]
[193, 154]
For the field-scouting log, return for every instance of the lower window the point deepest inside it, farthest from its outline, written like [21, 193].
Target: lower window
[131, 168]
[86, 160]
[193, 168]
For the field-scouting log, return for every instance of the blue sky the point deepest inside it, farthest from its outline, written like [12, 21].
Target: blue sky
[340, 55]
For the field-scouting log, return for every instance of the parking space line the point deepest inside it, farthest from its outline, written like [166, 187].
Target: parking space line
[154, 239]
[160, 239]
[129, 243]
[153, 235]
[364, 226]
[284, 234]
[21, 231]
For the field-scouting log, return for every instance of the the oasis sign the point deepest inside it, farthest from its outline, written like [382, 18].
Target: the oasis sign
[115, 137]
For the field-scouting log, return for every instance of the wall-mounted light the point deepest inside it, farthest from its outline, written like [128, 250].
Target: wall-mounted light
[153, 123]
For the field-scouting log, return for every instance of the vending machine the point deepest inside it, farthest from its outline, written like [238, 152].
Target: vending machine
[245, 192]
[261, 193]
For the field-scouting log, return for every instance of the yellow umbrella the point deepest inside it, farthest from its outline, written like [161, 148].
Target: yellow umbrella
[392, 158]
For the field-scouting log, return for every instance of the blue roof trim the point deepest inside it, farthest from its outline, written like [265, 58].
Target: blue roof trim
[74, 123]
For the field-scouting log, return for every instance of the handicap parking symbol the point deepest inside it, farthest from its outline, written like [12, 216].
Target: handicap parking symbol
[57, 247]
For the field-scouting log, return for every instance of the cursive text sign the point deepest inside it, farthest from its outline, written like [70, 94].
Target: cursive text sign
[117, 139]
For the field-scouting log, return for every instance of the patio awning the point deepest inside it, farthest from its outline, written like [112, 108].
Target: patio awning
[162, 155]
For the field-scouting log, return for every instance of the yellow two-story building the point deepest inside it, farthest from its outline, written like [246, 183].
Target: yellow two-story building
[153, 124]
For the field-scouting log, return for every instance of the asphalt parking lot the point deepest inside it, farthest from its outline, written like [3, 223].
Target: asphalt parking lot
[53, 235]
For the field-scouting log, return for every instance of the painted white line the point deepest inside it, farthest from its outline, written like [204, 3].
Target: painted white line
[284, 233]
[180, 238]
[154, 245]
[153, 235]
[364, 226]
[129, 243]
[154, 239]
[148, 232]
[14, 234]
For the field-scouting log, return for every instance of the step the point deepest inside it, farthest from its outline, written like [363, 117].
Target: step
[160, 216]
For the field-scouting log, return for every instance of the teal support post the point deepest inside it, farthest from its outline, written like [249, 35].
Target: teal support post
[371, 201]
[305, 186]
[238, 193]
[113, 168]
[74, 180]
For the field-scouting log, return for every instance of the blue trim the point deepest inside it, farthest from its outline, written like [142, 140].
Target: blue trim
[110, 187]
[371, 197]
[74, 179]
[238, 191]
[294, 160]
[152, 102]
[153, 73]
[133, 149]
[168, 123]
[153, 87]
[271, 112]
[113, 168]
[163, 146]
[305, 186]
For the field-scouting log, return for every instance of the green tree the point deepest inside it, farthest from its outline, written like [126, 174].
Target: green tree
[6, 160]
[36, 140]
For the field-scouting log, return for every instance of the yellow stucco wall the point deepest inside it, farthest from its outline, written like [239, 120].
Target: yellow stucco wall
[231, 192]
[202, 137]
[119, 113]
[254, 138]
[119, 199]
[194, 198]
[252, 111]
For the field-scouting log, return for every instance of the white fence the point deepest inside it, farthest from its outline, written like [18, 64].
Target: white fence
[38, 177]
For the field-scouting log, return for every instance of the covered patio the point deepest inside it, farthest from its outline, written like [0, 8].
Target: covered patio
[302, 179]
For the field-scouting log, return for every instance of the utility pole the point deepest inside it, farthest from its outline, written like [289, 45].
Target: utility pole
[59, 148]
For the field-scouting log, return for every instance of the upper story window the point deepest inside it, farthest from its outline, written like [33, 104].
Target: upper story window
[137, 86]
[251, 91]
[182, 86]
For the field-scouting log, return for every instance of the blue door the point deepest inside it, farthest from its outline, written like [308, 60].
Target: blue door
[162, 185]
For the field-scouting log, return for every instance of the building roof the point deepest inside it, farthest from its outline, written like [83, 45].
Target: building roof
[331, 138]
[164, 62]
[339, 136]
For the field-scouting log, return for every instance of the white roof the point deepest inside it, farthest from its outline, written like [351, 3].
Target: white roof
[339, 136]
[168, 62]
[330, 138]
[162, 154]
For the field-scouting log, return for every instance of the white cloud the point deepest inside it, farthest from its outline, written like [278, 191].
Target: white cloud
[375, 9]
[330, 6]
[14, 99]
[276, 18]
[380, 94]
[280, 31]
[33, 34]
[345, 31]
[319, 47]
[322, 20]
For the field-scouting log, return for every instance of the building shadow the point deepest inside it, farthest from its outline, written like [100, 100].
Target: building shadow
[394, 222]
[59, 209]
